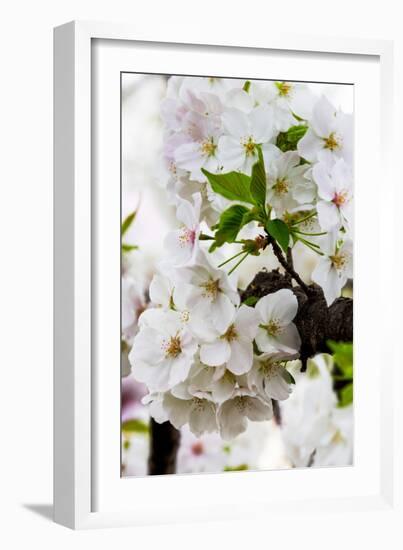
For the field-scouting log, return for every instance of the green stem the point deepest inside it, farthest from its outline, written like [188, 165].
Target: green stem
[232, 258]
[238, 263]
[308, 217]
[310, 234]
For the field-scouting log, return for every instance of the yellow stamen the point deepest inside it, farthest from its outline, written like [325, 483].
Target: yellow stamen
[332, 142]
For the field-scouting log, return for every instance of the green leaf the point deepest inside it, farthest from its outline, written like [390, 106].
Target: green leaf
[288, 141]
[346, 395]
[279, 231]
[127, 222]
[134, 425]
[233, 185]
[239, 468]
[129, 247]
[258, 181]
[231, 221]
[343, 356]
[288, 377]
[251, 301]
[246, 86]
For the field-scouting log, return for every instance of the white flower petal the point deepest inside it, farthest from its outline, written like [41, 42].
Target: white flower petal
[178, 410]
[328, 215]
[309, 146]
[230, 421]
[215, 354]
[241, 358]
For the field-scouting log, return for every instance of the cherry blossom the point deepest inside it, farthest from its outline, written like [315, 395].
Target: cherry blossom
[277, 332]
[233, 414]
[287, 186]
[335, 193]
[234, 346]
[270, 377]
[335, 267]
[182, 244]
[329, 135]
[237, 148]
[162, 352]
[211, 292]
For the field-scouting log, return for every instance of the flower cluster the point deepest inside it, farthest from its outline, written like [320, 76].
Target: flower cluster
[195, 350]
[275, 159]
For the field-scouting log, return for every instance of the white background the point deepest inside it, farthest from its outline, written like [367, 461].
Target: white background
[26, 267]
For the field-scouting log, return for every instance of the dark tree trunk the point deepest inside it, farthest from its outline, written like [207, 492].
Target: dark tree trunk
[164, 444]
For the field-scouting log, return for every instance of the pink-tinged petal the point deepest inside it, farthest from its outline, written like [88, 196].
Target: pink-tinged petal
[179, 245]
[216, 353]
[189, 156]
[328, 215]
[241, 359]
[309, 146]
[189, 213]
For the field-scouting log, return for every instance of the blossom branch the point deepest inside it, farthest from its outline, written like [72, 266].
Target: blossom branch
[287, 265]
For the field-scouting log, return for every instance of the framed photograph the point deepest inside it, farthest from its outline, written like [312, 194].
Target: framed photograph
[219, 307]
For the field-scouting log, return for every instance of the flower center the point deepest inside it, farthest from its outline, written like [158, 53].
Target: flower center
[197, 448]
[211, 289]
[337, 438]
[231, 334]
[281, 186]
[241, 404]
[339, 261]
[249, 145]
[187, 236]
[332, 142]
[273, 327]
[172, 348]
[284, 88]
[208, 147]
[270, 368]
[185, 316]
[340, 198]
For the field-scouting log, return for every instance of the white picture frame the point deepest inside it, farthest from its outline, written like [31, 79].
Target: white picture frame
[80, 485]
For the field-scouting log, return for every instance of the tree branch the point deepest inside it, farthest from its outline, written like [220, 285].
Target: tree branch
[288, 267]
